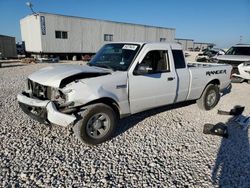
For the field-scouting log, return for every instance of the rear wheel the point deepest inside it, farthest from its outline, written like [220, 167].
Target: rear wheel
[97, 124]
[209, 98]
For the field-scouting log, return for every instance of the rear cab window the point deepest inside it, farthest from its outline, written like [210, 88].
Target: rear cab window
[179, 60]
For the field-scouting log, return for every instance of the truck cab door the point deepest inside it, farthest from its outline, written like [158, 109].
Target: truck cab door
[152, 80]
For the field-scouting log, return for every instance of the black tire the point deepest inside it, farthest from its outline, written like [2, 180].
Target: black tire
[209, 98]
[87, 129]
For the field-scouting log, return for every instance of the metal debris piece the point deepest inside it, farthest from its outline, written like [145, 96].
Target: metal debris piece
[236, 111]
[219, 129]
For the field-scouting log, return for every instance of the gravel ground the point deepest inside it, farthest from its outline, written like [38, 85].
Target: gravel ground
[157, 148]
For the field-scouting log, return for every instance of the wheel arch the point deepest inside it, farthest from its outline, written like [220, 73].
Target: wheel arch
[108, 101]
[214, 82]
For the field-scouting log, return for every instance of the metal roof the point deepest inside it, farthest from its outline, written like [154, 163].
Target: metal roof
[241, 45]
[6, 36]
[183, 39]
[101, 20]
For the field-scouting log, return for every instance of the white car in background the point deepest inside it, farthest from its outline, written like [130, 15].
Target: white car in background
[239, 57]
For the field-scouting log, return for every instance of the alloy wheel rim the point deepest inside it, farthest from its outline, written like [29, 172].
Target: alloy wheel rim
[98, 125]
[211, 98]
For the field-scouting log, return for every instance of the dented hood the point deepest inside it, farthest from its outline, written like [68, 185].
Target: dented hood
[54, 75]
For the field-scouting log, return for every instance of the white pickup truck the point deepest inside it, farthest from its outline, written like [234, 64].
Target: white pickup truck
[122, 79]
[239, 57]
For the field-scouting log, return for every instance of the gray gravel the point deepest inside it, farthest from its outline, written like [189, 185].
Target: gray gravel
[158, 148]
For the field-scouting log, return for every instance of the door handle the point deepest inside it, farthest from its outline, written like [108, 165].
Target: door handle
[170, 78]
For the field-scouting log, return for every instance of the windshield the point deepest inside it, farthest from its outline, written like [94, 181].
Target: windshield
[238, 51]
[115, 56]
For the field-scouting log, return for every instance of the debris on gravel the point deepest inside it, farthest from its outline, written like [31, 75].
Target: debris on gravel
[164, 147]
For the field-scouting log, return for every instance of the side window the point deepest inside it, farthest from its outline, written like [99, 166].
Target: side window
[61, 34]
[157, 61]
[58, 34]
[162, 39]
[179, 60]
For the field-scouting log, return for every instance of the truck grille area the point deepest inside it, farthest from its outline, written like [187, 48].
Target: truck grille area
[39, 91]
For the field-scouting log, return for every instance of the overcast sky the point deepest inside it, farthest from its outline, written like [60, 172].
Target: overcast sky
[219, 21]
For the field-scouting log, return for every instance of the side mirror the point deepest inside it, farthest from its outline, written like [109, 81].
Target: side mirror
[142, 69]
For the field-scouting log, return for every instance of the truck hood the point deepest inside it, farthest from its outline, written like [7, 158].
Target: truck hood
[241, 58]
[60, 75]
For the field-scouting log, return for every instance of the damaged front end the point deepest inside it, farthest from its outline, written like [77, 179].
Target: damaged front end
[46, 104]
[55, 94]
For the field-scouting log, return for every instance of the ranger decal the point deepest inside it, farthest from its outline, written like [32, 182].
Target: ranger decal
[209, 73]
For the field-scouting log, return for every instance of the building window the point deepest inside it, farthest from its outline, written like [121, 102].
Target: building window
[108, 37]
[64, 34]
[61, 34]
[162, 39]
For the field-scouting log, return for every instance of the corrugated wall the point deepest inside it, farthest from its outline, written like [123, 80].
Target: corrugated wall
[87, 35]
[8, 46]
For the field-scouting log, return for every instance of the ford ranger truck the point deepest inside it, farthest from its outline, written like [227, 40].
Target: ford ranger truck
[122, 79]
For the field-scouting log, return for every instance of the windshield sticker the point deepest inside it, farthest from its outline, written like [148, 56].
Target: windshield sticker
[129, 47]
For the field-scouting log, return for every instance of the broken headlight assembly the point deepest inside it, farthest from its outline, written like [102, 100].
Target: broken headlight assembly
[55, 94]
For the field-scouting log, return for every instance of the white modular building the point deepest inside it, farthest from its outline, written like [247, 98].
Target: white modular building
[46, 33]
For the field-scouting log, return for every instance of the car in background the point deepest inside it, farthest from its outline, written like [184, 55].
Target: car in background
[209, 55]
[243, 73]
[235, 56]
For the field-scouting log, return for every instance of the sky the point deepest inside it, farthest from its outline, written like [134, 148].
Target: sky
[223, 22]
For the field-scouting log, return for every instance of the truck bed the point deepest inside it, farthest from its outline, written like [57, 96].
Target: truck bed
[203, 73]
[193, 64]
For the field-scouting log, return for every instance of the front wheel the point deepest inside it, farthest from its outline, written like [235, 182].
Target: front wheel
[96, 125]
[209, 98]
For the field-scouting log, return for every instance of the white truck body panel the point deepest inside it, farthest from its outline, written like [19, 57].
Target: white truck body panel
[160, 92]
[199, 78]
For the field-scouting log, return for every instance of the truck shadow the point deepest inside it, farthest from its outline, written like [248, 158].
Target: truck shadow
[129, 122]
[232, 166]
[226, 90]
